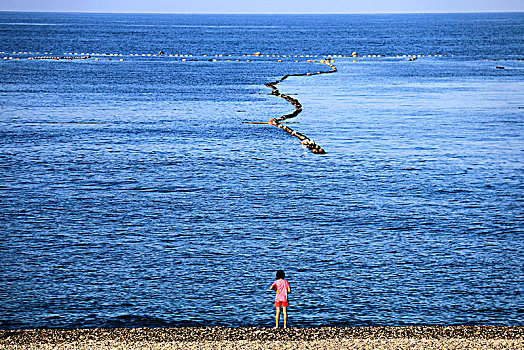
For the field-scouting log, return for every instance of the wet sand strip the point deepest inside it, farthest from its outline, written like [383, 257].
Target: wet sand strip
[306, 141]
[417, 337]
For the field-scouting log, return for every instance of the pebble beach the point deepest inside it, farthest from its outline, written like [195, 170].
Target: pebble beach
[434, 337]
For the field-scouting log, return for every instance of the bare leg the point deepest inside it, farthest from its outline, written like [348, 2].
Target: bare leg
[278, 316]
[285, 316]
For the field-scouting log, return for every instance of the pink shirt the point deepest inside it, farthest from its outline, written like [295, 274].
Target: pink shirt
[282, 286]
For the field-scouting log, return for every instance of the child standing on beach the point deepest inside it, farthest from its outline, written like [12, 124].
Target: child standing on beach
[283, 289]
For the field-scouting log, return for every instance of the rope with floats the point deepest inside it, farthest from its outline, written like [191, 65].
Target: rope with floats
[304, 140]
[256, 57]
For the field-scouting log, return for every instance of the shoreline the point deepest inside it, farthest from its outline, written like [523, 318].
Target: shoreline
[412, 337]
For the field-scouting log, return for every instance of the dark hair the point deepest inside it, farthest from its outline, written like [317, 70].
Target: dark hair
[280, 274]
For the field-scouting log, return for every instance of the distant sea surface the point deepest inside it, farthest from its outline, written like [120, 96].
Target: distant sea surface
[131, 193]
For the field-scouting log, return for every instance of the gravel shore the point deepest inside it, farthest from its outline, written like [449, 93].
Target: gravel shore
[435, 337]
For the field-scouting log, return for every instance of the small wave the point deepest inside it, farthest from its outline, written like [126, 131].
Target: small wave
[33, 24]
[130, 320]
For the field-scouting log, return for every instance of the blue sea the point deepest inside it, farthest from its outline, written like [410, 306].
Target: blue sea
[133, 194]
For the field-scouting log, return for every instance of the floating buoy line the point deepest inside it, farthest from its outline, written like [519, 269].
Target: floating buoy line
[191, 57]
[256, 57]
[304, 140]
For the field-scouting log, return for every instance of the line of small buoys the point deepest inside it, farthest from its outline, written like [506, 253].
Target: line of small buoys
[304, 140]
[59, 58]
[217, 57]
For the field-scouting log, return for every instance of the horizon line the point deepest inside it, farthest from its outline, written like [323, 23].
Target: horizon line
[262, 14]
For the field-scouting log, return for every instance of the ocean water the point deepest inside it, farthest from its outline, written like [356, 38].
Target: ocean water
[132, 193]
